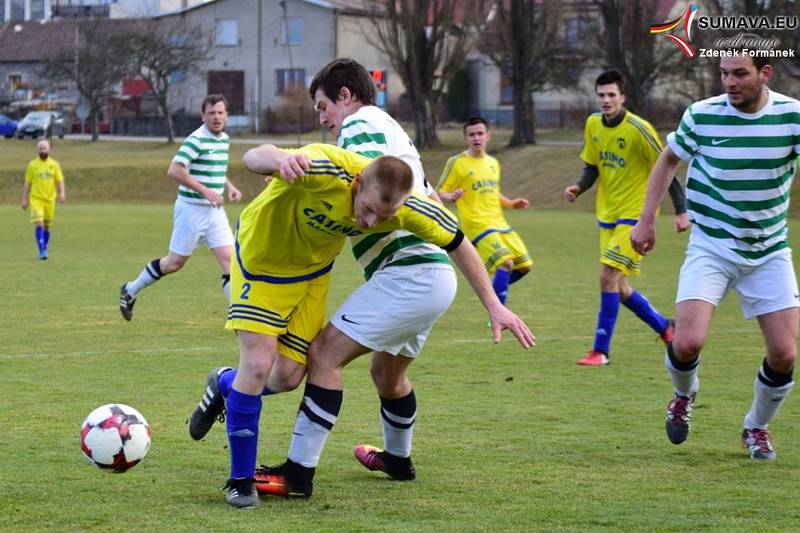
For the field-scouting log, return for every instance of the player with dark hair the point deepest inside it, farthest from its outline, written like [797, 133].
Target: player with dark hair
[742, 149]
[201, 169]
[620, 148]
[471, 180]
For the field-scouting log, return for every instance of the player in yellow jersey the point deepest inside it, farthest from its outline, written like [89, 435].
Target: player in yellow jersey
[286, 242]
[620, 148]
[471, 179]
[42, 177]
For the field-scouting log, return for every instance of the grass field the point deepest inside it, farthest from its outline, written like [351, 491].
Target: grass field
[506, 439]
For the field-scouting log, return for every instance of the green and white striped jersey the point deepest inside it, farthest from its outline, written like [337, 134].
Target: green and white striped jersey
[205, 157]
[371, 132]
[740, 173]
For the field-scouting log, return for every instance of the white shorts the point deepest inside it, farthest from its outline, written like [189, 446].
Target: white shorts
[195, 224]
[395, 310]
[765, 288]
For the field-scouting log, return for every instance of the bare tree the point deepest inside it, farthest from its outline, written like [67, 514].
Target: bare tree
[522, 38]
[157, 50]
[425, 48]
[91, 61]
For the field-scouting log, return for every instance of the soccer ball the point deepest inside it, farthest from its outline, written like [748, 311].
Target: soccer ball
[115, 437]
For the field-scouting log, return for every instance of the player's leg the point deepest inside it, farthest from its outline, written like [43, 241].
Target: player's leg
[36, 214]
[398, 416]
[49, 214]
[186, 234]
[521, 260]
[498, 260]
[220, 242]
[606, 318]
[770, 293]
[257, 354]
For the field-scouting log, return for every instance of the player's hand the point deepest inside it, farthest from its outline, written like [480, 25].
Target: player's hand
[520, 203]
[234, 194]
[214, 198]
[456, 194]
[294, 166]
[643, 237]
[61, 198]
[24, 204]
[502, 318]
[571, 193]
[681, 223]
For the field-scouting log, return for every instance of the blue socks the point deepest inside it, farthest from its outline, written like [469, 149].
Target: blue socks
[500, 284]
[41, 240]
[641, 307]
[243, 412]
[606, 319]
[226, 384]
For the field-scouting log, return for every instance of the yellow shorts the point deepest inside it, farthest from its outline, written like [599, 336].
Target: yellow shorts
[292, 312]
[41, 211]
[498, 246]
[616, 250]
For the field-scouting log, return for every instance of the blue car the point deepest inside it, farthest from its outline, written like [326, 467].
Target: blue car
[7, 126]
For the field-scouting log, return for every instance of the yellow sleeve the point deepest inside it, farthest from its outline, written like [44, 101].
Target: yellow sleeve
[58, 175]
[330, 166]
[29, 173]
[650, 144]
[430, 221]
[588, 154]
[448, 182]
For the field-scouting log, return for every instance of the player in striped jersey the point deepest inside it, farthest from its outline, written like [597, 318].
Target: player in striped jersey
[286, 242]
[742, 148]
[200, 167]
[620, 148]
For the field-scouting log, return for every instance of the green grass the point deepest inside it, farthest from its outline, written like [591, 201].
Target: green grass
[506, 439]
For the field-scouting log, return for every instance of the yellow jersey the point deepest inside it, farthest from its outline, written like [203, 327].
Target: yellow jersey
[479, 208]
[42, 175]
[624, 155]
[293, 231]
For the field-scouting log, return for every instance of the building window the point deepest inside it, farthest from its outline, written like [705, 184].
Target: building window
[506, 88]
[17, 10]
[292, 31]
[575, 29]
[227, 33]
[285, 78]
[37, 9]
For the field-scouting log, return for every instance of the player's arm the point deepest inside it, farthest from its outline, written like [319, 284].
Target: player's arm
[26, 189]
[643, 236]
[470, 264]
[60, 181]
[234, 194]
[681, 222]
[269, 159]
[448, 188]
[584, 182]
[516, 203]
[179, 173]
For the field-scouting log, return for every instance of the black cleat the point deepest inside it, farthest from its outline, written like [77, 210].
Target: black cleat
[679, 418]
[289, 480]
[126, 303]
[399, 468]
[210, 408]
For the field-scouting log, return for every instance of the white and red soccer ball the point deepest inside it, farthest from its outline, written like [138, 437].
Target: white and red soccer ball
[115, 437]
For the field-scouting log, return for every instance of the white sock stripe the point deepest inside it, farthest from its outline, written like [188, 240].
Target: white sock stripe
[319, 411]
[398, 419]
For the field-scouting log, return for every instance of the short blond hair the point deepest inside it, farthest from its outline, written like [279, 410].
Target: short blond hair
[391, 176]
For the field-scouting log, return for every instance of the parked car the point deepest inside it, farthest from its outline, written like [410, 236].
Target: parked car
[8, 127]
[41, 123]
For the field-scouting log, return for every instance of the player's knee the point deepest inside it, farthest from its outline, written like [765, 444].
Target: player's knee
[507, 265]
[282, 381]
[172, 263]
[782, 358]
[686, 347]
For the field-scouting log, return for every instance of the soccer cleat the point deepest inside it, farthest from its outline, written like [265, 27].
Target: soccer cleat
[759, 443]
[667, 334]
[43, 255]
[289, 480]
[211, 406]
[399, 468]
[594, 358]
[679, 418]
[242, 493]
[126, 303]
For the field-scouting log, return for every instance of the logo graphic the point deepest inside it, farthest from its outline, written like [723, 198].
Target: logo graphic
[719, 141]
[344, 317]
[621, 143]
[687, 18]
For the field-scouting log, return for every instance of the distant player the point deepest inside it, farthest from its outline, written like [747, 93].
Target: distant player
[620, 148]
[201, 169]
[741, 148]
[471, 179]
[42, 177]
